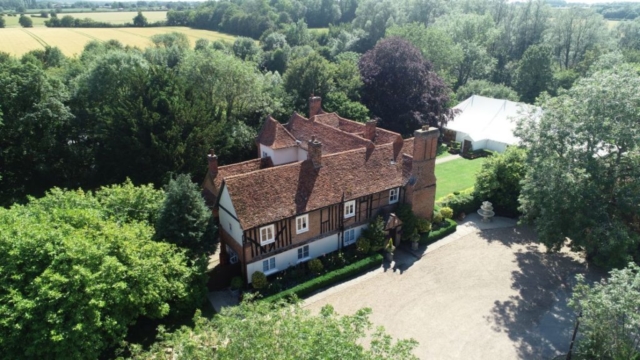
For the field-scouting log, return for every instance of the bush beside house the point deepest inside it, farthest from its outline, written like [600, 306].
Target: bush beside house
[449, 227]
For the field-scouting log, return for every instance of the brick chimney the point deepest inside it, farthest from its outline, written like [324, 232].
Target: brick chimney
[315, 106]
[212, 158]
[423, 179]
[314, 152]
[370, 130]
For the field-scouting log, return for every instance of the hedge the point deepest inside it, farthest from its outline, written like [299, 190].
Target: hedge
[307, 288]
[436, 235]
[460, 202]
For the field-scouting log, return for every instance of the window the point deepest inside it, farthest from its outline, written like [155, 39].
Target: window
[394, 194]
[302, 224]
[269, 265]
[349, 209]
[349, 237]
[266, 235]
[233, 257]
[264, 154]
[303, 253]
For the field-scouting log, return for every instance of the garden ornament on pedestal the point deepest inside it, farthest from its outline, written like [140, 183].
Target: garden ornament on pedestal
[486, 211]
[388, 250]
[414, 240]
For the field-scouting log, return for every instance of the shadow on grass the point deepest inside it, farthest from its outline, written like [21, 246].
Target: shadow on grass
[537, 318]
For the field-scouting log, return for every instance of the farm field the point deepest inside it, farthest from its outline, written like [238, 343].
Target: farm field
[113, 17]
[71, 41]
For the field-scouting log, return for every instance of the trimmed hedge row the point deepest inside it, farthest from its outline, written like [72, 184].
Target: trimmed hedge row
[330, 278]
[434, 236]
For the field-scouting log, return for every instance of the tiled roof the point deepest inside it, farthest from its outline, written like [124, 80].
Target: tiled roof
[263, 197]
[274, 135]
[241, 168]
[333, 141]
[353, 127]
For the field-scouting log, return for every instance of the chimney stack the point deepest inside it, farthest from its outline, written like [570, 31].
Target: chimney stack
[314, 152]
[423, 190]
[212, 158]
[370, 130]
[315, 106]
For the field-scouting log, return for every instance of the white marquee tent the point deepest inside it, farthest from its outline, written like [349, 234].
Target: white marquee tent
[488, 123]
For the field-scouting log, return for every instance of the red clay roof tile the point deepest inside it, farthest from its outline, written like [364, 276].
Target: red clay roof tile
[333, 140]
[274, 135]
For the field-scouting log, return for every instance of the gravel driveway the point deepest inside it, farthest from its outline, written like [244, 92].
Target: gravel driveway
[491, 294]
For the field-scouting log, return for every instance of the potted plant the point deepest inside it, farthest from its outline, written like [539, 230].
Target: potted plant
[236, 285]
[388, 250]
[415, 237]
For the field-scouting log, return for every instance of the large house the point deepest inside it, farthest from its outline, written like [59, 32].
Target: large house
[316, 185]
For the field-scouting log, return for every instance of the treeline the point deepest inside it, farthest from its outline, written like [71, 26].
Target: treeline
[618, 11]
[69, 21]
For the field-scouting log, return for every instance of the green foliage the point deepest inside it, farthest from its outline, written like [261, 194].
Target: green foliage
[534, 74]
[446, 212]
[316, 267]
[301, 335]
[408, 218]
[610, 318]
[129, 203]
[437, 217]
[435, 235]
[485, 88]
[312, 75]
[464, 202]
[259, 280]
[246, 48]
[328, 279]
[140, 20]
[499, 180]
[422, 226]
[363, 245]
[2, 22]
[237, 283]
[77, 271]
[389, 247]
[184, 219]
[376, 234]
[177, 39]
[583, 167]
[25, 21]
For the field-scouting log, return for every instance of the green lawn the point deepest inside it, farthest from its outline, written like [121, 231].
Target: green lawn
[456, 175]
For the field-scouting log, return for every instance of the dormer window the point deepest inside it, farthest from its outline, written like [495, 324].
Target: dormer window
[350, 209]
[267, 235]
[302, 224]
[394, 195]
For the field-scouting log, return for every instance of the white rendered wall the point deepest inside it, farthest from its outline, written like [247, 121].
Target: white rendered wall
[266, 149]
[281, 156]
[302, 154]
[226, 219]
[358, 231]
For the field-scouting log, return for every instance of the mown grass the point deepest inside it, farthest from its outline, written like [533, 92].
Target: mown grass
[456, 175]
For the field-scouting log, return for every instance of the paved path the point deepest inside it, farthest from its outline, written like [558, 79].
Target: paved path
[447, 158]
[477, 294]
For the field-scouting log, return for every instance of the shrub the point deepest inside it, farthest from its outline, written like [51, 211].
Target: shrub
[259, 280]
[375, 233]
[330, 278]
[316, 266]
[436, 235]
[422, 226]
[363, 245]
[437, 218]
[237, 283]
[409, 220]
[499, 180]
[465, 202]
[446, 212]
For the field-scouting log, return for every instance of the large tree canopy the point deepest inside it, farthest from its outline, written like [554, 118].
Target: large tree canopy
[79, 268]
[261, 330]
[400, 88]
[583, 178]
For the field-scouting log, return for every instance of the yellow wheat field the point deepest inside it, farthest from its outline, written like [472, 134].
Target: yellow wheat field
[113, 17]
[18, 41]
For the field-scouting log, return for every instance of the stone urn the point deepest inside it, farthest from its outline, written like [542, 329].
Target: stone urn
[414, 245]
[486, 211]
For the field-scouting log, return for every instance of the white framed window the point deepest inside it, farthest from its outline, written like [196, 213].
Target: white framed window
[233, 257]
[350, 209]
[267, 235]
[269, 265]
[264, 154]
[394, 195]
[303, 253]
[349, 237]
[302, 224]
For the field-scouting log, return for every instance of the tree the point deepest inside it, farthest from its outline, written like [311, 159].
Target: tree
[25, 21]
[184, 219]
[300, 336]
[311, 75]
[610, 318]
[576, 31]
[177, 39]
[535, 73]
[498, 181]
[140, 20]
[75, 275]
[400, 88]
[374, 17]
[486, 88]
[583, 167]
[246, 48]
[2, 22]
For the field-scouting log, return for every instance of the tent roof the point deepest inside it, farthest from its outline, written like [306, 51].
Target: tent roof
[483, 118]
